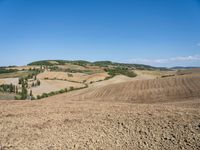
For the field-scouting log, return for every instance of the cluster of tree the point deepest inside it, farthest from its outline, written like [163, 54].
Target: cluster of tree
[54, 68]
[59, 62]
[10, 88]
[24, 92]
[103, 63]
[24, 82]
[41, 63]
[48, 62]
[37, 83]
[81, 63]
[119, 70]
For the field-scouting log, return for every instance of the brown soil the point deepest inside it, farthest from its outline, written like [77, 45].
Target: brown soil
[78, 120]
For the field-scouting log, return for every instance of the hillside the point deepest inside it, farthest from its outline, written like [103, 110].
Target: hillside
[177, 88]
[82, 105]
[126, 115]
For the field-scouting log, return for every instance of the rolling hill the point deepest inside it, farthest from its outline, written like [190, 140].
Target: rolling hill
[171, 89]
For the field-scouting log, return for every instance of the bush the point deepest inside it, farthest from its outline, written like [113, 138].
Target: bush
[10, 88]
[61, 91]
[33, 98]
[44, 95]
[51, 93]
[17, 97]
[71, 88]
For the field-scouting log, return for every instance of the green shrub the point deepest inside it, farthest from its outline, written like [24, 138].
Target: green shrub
[17, 97]
[44, 95]
[33, 98]
[71, 88]
[62, 91]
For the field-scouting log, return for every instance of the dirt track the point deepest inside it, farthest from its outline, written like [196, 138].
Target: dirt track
[61, 122]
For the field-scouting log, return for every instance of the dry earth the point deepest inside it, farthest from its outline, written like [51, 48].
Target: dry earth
[48, 86]
[152, 74]
[92, 119]
[77, 77]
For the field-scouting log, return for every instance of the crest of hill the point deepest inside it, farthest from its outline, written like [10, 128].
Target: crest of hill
[96, 63]
[183, 68]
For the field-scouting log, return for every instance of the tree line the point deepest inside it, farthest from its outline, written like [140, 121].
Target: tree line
[9, 88]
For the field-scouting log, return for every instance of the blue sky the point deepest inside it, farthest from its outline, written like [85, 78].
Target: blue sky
[154, 32]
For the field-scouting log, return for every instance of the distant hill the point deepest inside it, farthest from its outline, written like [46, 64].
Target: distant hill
[96, 63]
[182, 68]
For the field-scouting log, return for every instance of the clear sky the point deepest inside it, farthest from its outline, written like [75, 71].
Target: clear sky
[154, 32]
